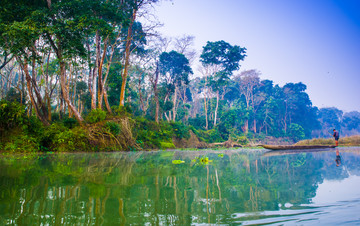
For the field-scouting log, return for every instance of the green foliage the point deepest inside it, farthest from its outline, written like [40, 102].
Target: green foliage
[175, 66]
[296, 132]
[96, 115]
[223, 54]
[122, 110]
[150, 133]
[70, 140]
[33, 126]
[198, 122]
[70, 123]
[13, 95]
[177, 161]
[153, 135]
[243, 140]
[166, 145]
[202, 160]
[167, 106]
[12, 114]
[21, 143]
[180, 130]
[113, 127]
[209, 136]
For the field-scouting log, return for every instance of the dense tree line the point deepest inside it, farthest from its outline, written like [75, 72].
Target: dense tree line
[64, 59]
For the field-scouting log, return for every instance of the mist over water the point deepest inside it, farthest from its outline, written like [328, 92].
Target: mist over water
[244, 187]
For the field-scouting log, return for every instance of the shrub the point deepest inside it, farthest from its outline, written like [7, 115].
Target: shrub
[167, 145]
[152, 134]
[296, 132]
[48, 137]
[96, 115]
[11, 115]
[209, 136]
[22, 143]
[70, 123]
[71, 140]
[33, 126]
[122, 110]
[180, 130]
[113, 128]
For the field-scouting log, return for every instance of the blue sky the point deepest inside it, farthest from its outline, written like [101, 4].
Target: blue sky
[316, 42]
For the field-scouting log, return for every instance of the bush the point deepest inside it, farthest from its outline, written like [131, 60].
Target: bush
[33, 126]
[22, 143]
[296, 132]
[180, 130]
[96, 115]
[71, 140]
[152, 134]
[11, 115]
[122, 110]
[167, 145]
[209, 136]
[70, 123]
[113, 128]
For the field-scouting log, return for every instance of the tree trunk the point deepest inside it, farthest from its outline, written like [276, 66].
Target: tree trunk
[65, 92]
[154, 83]
[101, 83]
[41, 110]
[217, 106]
[246, 126]
[206, 114]
[157, 108]
[127, 60]
[174, 102]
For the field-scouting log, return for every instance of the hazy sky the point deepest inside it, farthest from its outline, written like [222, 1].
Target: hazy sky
[316, 42]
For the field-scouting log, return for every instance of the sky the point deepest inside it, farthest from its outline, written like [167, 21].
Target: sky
[316, 42]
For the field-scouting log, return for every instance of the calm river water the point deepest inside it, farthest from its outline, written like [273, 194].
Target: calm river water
[232, 187]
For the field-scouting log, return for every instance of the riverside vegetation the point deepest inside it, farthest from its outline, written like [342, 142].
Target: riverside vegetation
[92, 76]
[123, 131]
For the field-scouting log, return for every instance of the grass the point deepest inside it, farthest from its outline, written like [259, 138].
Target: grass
[345, 141]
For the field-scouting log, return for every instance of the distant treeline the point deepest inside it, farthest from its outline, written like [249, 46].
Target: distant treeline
[66, 59]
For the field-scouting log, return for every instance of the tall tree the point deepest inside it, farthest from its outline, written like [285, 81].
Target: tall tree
[226, 58]
[135, 6]
[248, 81]
[175, 68]
[19, 34]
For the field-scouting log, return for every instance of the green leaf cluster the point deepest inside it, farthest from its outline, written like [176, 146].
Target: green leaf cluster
[95, 116]
[113, 127]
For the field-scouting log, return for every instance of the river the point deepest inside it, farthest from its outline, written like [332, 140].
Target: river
[220, 187]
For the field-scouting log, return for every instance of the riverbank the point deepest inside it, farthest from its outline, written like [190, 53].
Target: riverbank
[121, 131]
[344, 141]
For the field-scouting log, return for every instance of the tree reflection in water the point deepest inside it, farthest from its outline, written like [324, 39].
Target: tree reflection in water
[145, 187]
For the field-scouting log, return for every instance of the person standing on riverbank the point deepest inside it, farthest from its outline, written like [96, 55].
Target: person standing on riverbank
[336, 136]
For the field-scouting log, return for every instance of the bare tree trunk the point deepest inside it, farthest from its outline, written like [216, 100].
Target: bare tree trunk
[108, 108]
[127, 60]
[154, 83]
[217, 106]
[254, 125]
[174, 102]
[100, 67]
[65, 92]
[92, 77]
[246, 126]
[206, 114]
[41, 110]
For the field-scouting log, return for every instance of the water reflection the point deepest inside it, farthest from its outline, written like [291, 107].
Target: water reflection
[235, 186]
[338, 157]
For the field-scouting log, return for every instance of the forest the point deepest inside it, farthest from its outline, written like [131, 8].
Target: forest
[96, 75]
